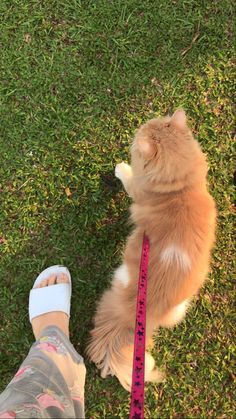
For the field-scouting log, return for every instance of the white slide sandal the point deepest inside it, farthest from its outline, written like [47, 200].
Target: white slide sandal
[51, 298]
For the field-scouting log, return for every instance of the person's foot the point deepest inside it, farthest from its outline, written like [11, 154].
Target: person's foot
[54, 318]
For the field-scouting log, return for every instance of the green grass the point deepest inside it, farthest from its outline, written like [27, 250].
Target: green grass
[76, 79]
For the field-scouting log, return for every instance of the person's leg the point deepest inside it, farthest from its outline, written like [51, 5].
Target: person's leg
[50, 382]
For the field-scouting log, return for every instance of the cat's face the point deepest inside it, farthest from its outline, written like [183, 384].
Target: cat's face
[164, 149]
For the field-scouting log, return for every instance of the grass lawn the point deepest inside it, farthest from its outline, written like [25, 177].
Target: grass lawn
[76, 79]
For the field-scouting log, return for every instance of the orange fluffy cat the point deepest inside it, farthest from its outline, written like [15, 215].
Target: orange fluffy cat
[167, 182]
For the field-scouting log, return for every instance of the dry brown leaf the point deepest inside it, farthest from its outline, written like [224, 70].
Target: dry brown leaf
[68, 192]
[27, 38]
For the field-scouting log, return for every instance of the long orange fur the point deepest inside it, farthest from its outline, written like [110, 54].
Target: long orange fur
[167, 182]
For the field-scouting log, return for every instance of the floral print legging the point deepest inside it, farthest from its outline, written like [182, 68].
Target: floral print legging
[49, 383]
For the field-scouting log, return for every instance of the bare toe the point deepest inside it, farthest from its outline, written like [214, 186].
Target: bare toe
[42, 284]
[62, 278]
[52, 279]
[48, 281]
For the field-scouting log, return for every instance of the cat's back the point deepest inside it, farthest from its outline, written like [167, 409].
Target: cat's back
[175, 215]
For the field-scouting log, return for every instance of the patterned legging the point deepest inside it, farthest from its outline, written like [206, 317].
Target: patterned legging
[49, 383]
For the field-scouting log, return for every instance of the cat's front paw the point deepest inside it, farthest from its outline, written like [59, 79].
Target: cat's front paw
[123, 171]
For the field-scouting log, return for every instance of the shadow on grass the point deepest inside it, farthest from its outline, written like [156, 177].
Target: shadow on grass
[90, 251]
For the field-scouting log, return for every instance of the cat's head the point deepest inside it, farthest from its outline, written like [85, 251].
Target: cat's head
[165, 154]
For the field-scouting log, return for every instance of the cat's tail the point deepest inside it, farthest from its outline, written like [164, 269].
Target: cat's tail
[111, 343]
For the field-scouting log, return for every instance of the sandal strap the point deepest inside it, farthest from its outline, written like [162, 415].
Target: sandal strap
[47, 299]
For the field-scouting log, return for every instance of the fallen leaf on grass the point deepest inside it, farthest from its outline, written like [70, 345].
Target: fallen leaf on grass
[68, 192]
[27, 38]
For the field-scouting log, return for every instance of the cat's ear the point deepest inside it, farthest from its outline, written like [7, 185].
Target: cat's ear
[179, 119]
[146, 147]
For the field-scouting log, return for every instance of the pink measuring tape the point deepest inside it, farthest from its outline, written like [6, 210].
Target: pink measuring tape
[137, 389]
